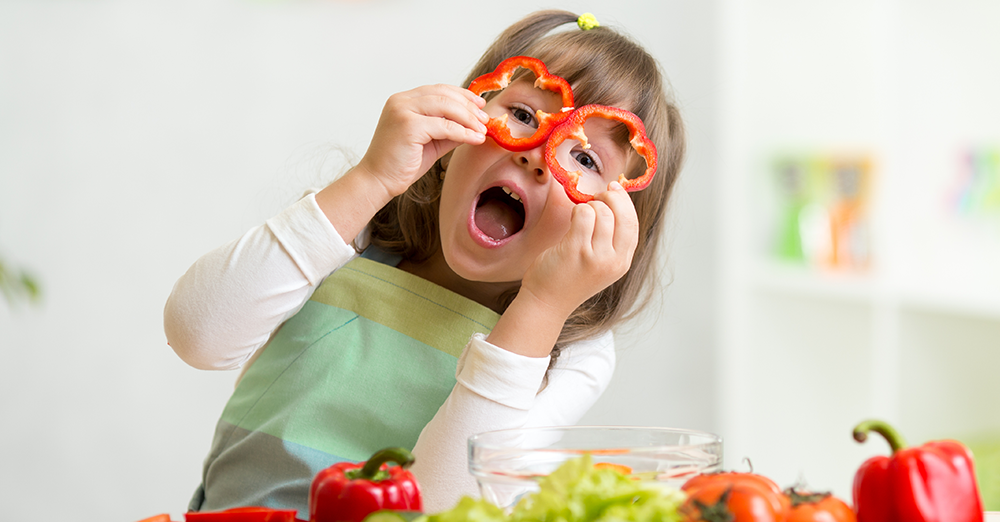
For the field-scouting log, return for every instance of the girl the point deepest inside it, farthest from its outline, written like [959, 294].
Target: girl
[482, 299]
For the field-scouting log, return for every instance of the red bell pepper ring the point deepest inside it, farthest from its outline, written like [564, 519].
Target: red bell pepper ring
[929, 483]
[497, 80]
[348, 492]
[572, 128]
[243, 514]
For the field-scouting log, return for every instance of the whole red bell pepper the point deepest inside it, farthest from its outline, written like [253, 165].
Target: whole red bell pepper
[496, 128]
[934, 482]
[348, 492]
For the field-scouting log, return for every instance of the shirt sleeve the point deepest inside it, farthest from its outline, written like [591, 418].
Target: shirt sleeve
[228, 304]
[497, 389]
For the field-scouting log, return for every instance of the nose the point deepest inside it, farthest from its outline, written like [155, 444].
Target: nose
[533, 160]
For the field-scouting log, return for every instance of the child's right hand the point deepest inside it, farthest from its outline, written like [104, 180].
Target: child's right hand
[416, 128]
[419, 126]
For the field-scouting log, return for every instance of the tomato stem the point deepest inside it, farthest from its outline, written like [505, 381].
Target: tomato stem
[798, 497]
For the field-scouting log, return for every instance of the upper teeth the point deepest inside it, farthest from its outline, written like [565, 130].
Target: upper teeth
[511, 193]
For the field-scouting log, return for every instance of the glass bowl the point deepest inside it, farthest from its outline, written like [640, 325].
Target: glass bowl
[508, 463]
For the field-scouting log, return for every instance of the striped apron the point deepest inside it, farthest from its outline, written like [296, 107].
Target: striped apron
[364, 365]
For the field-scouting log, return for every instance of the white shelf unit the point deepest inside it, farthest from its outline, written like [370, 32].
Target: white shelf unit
[806, 353]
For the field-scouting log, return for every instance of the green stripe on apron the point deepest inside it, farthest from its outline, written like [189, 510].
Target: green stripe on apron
[425, 311]
[364, 365]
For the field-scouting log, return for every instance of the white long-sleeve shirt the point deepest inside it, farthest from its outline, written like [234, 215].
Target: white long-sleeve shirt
[226, 307]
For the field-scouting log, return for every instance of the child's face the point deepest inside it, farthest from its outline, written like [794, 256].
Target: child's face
[500, 209]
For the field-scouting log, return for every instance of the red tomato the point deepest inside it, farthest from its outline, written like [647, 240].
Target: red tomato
[732, 477]
[736, 497]
[818, 507]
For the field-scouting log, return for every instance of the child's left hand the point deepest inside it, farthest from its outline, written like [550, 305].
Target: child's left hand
[596, 252]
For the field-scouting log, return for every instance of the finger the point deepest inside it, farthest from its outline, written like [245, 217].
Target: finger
[447, 109]
[443, 129]
[581, 225]
[626, 235]
[478, 103]
[476, 99]
[604, 225]
[452, 89]
[451, 97]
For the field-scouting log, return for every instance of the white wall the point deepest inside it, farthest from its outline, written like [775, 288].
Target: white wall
[135, 136]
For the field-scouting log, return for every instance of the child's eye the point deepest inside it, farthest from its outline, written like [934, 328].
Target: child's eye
[524, 115]
[587, 160]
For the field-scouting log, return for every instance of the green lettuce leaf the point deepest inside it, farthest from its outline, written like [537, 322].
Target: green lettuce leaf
[469, 510]
[578, 492]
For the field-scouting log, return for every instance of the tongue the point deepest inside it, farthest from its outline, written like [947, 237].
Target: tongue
[497, 220]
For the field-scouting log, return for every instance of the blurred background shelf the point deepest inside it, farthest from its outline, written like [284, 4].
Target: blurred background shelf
[862, 288]
[808, 282]
[906, 326]
[945, 301]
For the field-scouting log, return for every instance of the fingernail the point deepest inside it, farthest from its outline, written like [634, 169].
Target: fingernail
[616, 186]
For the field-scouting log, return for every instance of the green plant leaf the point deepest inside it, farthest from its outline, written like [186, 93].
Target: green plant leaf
[17, 287]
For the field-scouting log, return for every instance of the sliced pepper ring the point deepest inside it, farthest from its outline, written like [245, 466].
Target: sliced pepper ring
[572, 128]
[500, 78]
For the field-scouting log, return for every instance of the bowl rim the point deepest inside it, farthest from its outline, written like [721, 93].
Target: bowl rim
[476, 441]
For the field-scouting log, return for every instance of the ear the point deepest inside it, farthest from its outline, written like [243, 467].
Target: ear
[445, 160]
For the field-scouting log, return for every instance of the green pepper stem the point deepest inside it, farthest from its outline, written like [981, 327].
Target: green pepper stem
[400, 456]
[893, 437]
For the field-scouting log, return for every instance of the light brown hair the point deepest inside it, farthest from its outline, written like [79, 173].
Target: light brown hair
[604, 67]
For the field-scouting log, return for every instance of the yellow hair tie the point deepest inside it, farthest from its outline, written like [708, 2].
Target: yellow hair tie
[587, 22]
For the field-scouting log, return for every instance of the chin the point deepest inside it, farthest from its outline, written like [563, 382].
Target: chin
[486, 269]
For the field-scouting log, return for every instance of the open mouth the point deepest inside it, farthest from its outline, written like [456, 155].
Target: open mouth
[499, 213]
